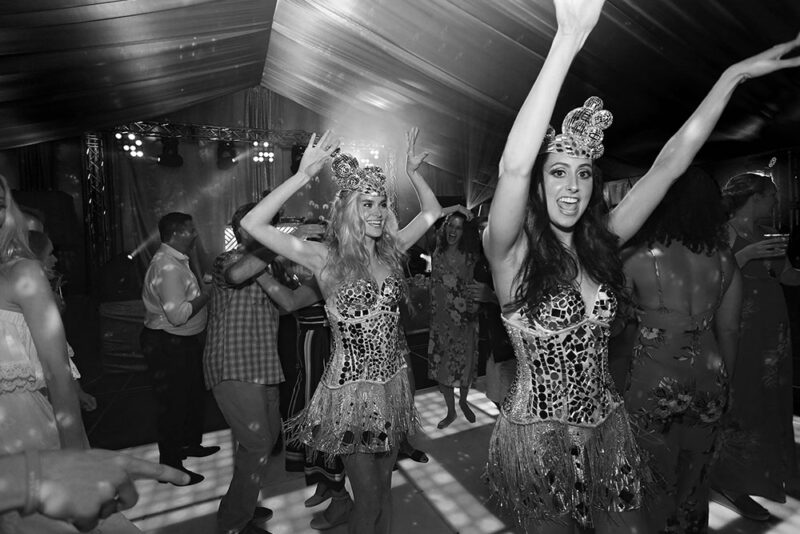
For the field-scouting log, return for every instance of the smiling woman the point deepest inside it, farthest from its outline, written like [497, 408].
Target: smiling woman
[363, 407]
[556, 267]
[453, 341]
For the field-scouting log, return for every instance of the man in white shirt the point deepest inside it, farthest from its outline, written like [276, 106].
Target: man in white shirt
[172, 342]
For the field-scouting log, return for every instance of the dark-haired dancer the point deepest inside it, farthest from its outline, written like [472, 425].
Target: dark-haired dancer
[555, 263]
[687, 291]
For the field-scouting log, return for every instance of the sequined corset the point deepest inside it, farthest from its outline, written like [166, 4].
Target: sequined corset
[562, 353]
[364, 327]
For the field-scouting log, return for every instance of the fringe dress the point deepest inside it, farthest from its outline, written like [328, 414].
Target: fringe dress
[562, 448]
[364, 402]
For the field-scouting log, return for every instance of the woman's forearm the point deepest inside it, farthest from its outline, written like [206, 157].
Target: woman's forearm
[66, 406]
[428, 202]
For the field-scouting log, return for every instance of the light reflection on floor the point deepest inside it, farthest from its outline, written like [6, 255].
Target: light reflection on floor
[446, 495]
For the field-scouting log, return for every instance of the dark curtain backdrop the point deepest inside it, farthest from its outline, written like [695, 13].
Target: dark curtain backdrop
[146, 191]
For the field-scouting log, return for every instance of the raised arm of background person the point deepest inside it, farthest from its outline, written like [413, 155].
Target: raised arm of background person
[33, 295]
[504, 240]
[676, 156]
[248, 266]
[258, 221]
[287, 299]
[430, 209]
[726, 320]
[78, 485]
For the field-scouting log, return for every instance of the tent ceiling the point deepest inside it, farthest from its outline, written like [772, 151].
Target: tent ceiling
[460, 69]
[72, 65]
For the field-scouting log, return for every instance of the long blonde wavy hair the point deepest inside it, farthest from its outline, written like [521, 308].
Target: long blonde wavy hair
[348, 257]
[14, 231]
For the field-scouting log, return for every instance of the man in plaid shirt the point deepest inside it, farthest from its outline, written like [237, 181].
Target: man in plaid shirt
[242, 368]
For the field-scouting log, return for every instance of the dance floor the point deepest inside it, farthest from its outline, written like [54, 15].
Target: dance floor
[445, 495]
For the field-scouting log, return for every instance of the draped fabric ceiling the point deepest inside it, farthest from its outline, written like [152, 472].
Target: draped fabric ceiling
[67, 66]
[458, 69]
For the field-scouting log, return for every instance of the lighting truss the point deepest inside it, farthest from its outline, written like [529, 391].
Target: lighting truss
[283, 138]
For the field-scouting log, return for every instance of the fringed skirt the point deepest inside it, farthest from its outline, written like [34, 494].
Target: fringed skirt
[361, 416]
[552, 471]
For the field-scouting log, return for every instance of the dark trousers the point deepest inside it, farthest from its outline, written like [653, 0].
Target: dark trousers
[176, 364]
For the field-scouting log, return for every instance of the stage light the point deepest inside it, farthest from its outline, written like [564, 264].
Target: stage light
[169, 153]
[132, 144]
[226, 155]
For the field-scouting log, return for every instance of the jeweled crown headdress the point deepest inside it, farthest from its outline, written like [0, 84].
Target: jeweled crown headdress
[350, 177]
[581, 131]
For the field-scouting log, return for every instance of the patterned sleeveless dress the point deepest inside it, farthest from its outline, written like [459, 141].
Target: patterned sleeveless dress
[678, 392]
[364, 402]
[562, 447]
[757, 455]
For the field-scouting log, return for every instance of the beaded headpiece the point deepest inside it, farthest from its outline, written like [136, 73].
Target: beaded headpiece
[350, 177]
[581, 131]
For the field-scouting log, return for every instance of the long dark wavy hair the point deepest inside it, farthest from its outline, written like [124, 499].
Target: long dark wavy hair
[549, 264]
[469, 243]
[691, 213]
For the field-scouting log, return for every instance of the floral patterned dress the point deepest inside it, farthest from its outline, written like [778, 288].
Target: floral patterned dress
[453, 338]
[678, 391]
[757, 456]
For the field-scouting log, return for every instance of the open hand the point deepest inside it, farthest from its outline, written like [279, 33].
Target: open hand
[769, 60]
[318, 153]
[413, 161]
[459, 208]
[577, 16]
[84, 486]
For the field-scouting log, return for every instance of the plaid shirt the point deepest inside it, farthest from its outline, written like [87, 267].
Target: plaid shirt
[242, 333]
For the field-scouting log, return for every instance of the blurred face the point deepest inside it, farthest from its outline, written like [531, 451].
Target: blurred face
[373, 210]
[244, 238]
[566, 189]
[187, 236]
[453, 231]
[764, 203]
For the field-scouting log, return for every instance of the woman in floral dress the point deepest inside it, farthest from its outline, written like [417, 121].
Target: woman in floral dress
[759, 458]
[687, 292]
[453, 344]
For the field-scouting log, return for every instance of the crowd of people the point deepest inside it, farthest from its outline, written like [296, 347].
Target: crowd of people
[703, 409]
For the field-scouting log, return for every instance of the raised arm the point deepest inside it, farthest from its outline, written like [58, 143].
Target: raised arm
[288, 299]
[680, 150]
[503, 237]
[248, 266]
[35, 298]
[258, 221]
[430, 209]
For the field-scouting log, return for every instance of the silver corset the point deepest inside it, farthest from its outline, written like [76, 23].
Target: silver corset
[364, 327]
[562, 354]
